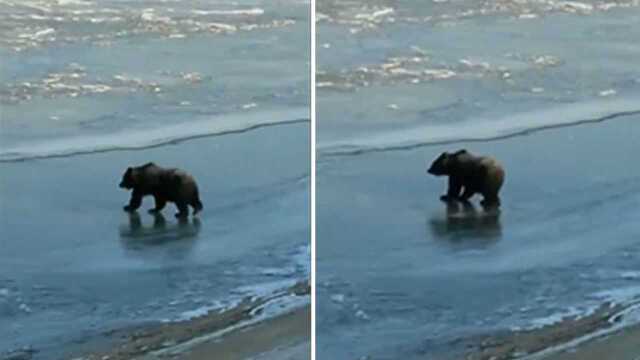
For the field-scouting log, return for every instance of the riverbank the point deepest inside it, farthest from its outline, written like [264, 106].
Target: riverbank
[278, 326]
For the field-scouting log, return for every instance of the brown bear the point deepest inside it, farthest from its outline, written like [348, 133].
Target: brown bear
[164, 185]
[476, 174]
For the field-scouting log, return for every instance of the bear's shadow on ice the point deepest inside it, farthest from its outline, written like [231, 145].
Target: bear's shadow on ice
[465, 226]
[138, 237]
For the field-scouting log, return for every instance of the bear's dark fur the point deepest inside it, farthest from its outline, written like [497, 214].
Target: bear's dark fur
[476, 174]
[164, 185]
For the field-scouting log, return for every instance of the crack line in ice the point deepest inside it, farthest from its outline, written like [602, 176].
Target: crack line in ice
[484, 131]
[149, 138]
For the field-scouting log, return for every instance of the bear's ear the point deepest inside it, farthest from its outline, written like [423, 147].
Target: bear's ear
[444, 158]
[461, 151]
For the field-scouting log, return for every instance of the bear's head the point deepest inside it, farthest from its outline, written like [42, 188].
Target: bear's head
[440, 166]
[128, 179]
[446, 162]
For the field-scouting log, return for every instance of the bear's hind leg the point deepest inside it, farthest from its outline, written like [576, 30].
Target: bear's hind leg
[491, 201]
[195, 202]
[160, 203]
[197, 206]
[183, 210]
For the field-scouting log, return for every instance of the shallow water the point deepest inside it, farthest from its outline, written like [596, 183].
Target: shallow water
[550, 89]
[218, 89]
[131, 72]
[400, 74]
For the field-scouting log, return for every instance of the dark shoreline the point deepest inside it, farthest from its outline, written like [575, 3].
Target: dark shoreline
[547, 342]
[179, 339]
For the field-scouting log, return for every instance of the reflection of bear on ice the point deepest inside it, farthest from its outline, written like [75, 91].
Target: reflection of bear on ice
[164, 185]
[463, 222]
[159, 240]
[474, 174]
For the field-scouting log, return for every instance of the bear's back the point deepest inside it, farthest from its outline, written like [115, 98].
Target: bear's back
[150, 174]
[466, 164]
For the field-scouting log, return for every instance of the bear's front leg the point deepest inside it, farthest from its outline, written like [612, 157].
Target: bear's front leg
[134, 202]
[453, 192]
[160, 203]
[467, 194]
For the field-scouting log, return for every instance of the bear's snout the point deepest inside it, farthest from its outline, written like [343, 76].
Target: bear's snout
[435, 171]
